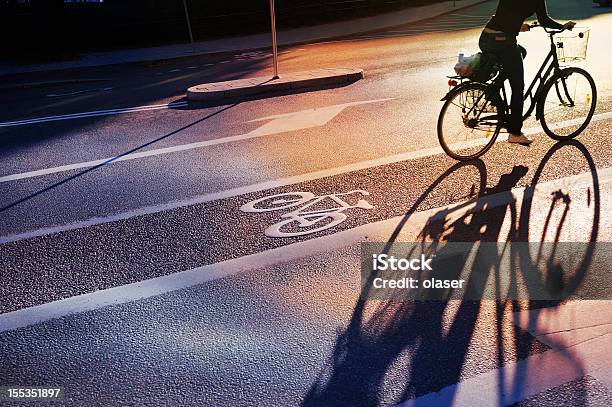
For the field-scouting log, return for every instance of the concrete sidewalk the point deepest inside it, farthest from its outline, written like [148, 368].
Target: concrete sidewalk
[256, 41]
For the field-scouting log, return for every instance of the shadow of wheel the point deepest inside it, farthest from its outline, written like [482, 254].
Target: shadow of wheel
[571, 284]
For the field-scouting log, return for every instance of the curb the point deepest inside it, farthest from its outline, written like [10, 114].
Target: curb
[307, 80]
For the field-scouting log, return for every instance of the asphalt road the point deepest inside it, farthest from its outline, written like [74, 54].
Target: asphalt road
[147, 279]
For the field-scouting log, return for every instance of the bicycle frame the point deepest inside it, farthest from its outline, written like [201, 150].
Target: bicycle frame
[549, 67]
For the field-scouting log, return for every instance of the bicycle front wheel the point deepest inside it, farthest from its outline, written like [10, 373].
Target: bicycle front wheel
[469, 122]
[567, 104]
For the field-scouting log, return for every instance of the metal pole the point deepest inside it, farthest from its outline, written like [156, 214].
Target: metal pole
[189, 25]
[274, 44]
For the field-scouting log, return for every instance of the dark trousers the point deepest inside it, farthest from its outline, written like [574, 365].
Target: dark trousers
[510, 55]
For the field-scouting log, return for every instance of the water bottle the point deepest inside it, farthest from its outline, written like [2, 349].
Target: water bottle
[461, 56]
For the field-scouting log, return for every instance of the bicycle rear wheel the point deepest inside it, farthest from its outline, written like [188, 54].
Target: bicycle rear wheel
[469, 122]
[568, 103]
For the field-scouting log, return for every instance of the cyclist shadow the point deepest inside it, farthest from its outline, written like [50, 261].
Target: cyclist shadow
[431, 339]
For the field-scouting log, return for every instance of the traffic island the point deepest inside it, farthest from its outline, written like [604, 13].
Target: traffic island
[262, 86]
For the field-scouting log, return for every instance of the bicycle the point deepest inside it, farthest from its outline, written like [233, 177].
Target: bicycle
[483, 106]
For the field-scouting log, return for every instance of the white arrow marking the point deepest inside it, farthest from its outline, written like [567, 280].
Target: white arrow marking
[278, 124]
[304, 119]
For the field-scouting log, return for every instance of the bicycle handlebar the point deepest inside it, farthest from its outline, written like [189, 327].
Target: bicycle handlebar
[551, 31]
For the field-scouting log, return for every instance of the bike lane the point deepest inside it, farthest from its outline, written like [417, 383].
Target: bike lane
[294, 332]
[156, 244]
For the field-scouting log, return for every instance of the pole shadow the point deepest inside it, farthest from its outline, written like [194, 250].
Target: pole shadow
[112, 160]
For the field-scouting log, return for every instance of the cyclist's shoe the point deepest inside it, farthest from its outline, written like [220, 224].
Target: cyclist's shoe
[520, 139]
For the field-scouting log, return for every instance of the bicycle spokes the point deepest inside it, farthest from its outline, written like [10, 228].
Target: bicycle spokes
[468, 122]
[573, 98]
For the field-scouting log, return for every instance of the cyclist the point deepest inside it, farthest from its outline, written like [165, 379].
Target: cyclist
[499, 39]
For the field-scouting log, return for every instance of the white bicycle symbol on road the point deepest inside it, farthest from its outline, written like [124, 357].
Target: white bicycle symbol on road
[315, 213]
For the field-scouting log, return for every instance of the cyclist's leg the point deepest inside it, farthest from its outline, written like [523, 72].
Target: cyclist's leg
[513, 64]
[510, 55]
[495, 45]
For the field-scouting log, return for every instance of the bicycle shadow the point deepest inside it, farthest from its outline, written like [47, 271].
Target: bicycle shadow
[433, 339]
[554, 272]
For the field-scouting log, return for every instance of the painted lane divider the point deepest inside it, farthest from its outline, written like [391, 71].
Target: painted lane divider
[233, 192]
[78, 92]
[576, 352]
[95, 113]
[294, 121]
[376, 231]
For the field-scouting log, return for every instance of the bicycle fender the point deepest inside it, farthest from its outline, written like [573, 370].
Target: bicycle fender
[451, 93]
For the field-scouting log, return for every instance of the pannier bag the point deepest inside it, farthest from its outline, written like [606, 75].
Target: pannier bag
[478, 67]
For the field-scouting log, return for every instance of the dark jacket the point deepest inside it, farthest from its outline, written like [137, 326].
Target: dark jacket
[511, 14]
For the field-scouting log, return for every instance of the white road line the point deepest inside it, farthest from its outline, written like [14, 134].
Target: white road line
[78, 92]
[262, 186]
[173, 282]
[95, 113]
[221, 195]
[567, 361]
[280, 123]
[376, 231]
[297, 121]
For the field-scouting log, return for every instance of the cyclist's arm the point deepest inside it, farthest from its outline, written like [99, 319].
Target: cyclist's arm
[544, 18]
